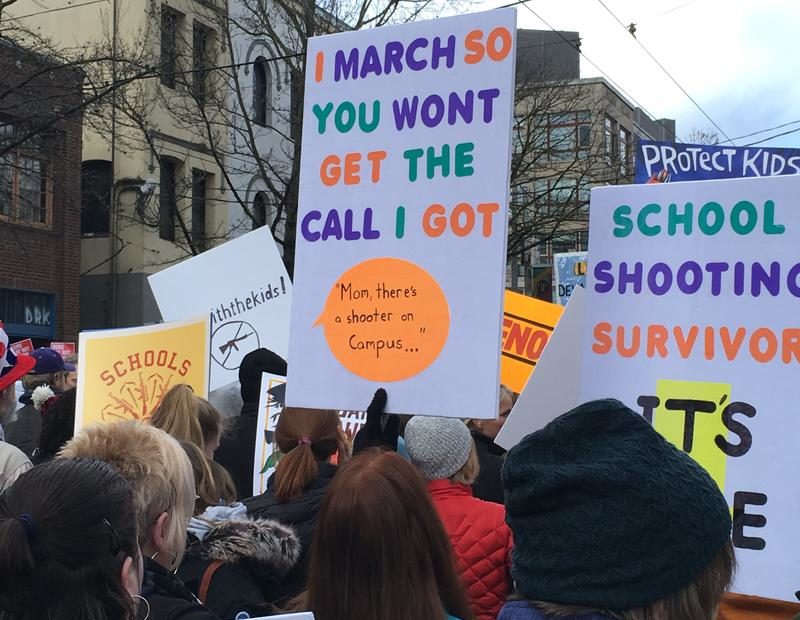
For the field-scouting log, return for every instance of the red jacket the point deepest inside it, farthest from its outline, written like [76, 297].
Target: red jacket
[482, 543]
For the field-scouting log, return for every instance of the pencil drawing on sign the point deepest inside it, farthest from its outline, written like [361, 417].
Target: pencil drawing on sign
[136, 399]
[231, 341]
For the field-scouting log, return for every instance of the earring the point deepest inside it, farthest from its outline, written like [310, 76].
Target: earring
[146, 602]
[153, 557]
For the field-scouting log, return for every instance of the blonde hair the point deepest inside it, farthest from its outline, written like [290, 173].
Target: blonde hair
[210, 419]
[698, 600]
[505, 392]
[156, 467]
[178, 415]
[468, 474]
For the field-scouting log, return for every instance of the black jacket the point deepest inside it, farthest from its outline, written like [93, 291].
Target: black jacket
[489, 485]
[169, 599]
[256, 556]
[299, 513]
[24, 432]
[237, 449]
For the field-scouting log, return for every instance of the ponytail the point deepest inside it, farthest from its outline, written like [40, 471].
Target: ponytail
[305, 437]
[177, 414]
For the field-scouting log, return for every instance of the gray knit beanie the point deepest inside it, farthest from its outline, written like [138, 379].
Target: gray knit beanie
[438, 447]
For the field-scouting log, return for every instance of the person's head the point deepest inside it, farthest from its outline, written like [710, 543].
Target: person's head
[212, 482]
[378, 516]
[50, 369]
[12, 368]
[211, 426]
[255, 364]
[71, 380]
[178, 415]
[68, 543]
[58, 424]
[305, 437]
[609, 517]
[491, 428]
[160, 474]
[442, 449]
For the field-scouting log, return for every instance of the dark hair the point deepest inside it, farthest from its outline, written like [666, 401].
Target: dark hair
[58, 425]
[305, 437]
[377, 515]
[66, 527]
[212, 484]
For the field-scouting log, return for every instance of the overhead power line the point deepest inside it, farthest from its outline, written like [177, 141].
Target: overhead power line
[760, 131]
[631, 29]
[56, 10]
[777, 135]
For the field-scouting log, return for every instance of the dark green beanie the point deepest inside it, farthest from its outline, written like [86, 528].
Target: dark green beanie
[606, 513]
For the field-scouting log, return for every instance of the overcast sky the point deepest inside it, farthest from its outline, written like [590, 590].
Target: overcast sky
[739, 59]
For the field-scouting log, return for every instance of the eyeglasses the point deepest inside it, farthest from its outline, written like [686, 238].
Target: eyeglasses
[115, 546]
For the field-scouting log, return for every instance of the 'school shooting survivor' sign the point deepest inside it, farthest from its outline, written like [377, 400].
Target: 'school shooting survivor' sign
[692, 317]
[402, 216]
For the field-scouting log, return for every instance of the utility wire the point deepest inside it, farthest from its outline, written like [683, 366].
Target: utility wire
[61, 8]
[777, 135]
[632, 31]
[760, 131]
[603, 73]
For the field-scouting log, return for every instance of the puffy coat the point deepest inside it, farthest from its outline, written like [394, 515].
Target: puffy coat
[168, 598]
[482, 543]
[244, 563]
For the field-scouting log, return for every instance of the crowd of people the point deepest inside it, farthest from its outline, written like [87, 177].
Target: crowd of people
[594, 517]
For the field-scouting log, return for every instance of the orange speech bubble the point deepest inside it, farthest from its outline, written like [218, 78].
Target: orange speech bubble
[386, 319]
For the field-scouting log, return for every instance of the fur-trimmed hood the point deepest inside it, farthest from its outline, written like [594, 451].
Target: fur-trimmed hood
[262, 541]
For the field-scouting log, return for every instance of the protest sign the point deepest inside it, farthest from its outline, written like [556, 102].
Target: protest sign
[700, 162]
[553, 389]
[125, 372]
[23, 347]
[244, 286]
[402, 217]
[64, 349]
[570, 273]
[270, 408]
[691, 320]
[527, 325]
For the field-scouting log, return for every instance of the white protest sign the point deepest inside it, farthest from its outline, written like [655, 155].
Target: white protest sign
[692, 320]
[270, 407]
[244, 286]
[553, 389]
[401, 231]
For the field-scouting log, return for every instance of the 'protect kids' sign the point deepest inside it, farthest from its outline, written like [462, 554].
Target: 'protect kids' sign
[692, 320]
[401, 225]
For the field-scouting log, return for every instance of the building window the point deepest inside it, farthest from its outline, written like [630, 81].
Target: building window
[563, 136]
[625, 151]
[199, 185]
[96, 180]
[568, 198]
[200, 44]
[169, 47]
[25, 182]
[611, 140]
[261, 210]
[262, 92]
[167, 205]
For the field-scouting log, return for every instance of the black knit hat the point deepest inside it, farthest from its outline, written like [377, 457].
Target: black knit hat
[606, 513]
[254, 364]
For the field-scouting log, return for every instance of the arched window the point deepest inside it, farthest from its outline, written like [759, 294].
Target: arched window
[261, 210]
[262, 92]
[96, 179]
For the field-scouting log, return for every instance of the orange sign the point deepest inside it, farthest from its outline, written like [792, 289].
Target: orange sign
[527, 325]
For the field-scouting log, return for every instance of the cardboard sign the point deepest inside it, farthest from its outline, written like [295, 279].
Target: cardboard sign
[23, 347]
[527, 325]
[270, 408]
[124, 373]
[692, 320]
[570, 273]
[405, 174]
[670, 162]
[65, 349]
[553, 389]
[244, 286]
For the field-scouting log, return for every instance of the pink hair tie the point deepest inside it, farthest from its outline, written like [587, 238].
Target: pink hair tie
[304, 441]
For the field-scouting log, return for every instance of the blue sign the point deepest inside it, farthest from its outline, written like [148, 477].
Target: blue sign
[665, 162]
[570, 273]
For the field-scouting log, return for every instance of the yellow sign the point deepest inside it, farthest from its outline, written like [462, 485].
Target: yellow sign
[527, 325]
[124, 373]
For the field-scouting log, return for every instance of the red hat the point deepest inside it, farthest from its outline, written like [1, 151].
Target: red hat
[12, 367]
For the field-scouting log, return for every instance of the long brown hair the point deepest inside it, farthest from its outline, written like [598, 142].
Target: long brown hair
[178, 415]
[305, 437]
[212, 482]
[380, 550]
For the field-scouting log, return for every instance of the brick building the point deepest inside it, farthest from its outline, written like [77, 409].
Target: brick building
[40, 198]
